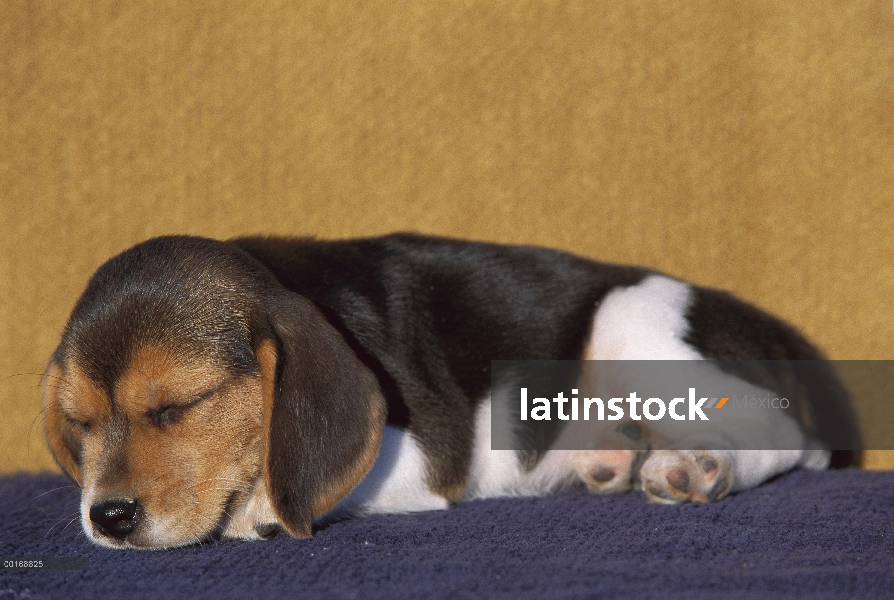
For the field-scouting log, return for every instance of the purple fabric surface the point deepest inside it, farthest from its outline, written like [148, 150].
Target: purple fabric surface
[805, 535]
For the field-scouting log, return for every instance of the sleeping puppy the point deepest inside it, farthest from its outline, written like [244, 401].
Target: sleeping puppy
[209, 389]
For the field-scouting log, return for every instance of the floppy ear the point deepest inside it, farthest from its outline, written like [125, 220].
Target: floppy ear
[324, 413]
[64, 443]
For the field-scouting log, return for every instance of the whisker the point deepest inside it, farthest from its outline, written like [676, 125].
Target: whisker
[68, 516]
[69, 523]
[27, 374]
[62, 487]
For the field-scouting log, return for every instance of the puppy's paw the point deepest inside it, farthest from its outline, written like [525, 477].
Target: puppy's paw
[613, 465]
[678, 476]
[607, 471]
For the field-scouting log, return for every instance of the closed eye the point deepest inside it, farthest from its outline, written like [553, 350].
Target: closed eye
[166, 415]
[80, 426]
[172, 414]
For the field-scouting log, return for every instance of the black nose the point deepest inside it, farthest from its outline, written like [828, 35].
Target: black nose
[115, 518]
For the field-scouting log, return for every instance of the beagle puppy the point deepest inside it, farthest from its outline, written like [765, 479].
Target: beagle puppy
[207, 389]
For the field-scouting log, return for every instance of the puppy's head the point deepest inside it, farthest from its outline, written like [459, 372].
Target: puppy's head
[192, 395]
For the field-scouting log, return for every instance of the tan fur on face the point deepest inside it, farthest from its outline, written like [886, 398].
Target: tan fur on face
[184, 473]
[69, 396]
[157, 377]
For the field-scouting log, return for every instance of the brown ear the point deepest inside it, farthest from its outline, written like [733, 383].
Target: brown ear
[64, 442]
[324, 414]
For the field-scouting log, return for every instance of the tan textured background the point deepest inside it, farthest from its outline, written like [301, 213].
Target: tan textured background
[744, 145]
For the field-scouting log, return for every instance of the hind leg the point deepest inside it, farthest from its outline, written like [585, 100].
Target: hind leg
[678, 476]
[615, 464]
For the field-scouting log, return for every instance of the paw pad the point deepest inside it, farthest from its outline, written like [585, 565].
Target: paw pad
[678, 476]
[603, 474]
[606, 471]
[678, 479]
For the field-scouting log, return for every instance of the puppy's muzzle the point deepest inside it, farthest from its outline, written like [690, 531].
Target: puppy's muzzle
[116, 518]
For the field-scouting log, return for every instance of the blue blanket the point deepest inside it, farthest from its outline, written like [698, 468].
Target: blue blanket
[805, 535]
